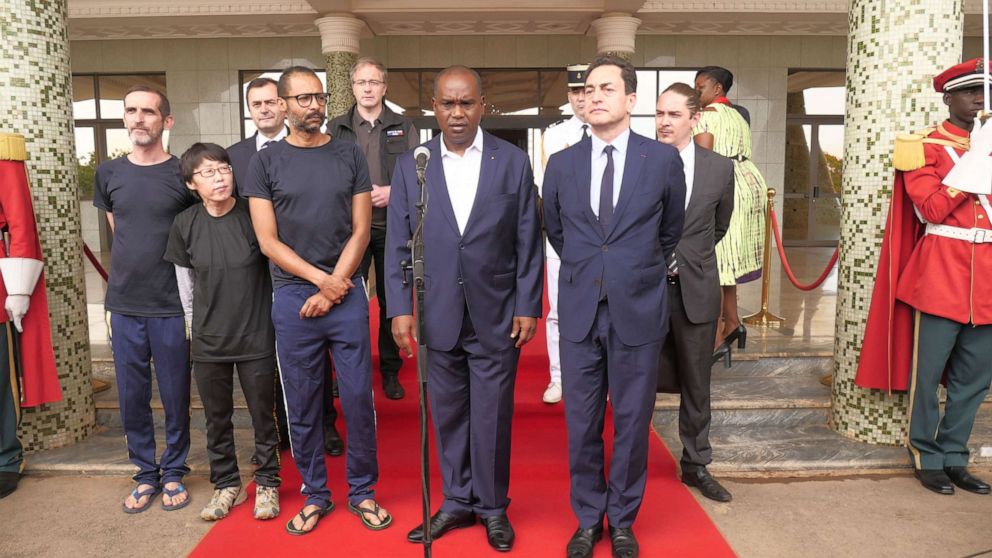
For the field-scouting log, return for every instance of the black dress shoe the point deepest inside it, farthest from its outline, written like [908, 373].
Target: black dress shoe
[583, 541]
[391, 387]
[623, 542]
[333, 444]
[499, 532]
[707, 485]
[8, 483]
[441, 523]
[966, 481]
[935, 480]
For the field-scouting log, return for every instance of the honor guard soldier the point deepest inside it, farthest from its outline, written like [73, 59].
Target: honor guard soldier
[932, 284]
[556, 138]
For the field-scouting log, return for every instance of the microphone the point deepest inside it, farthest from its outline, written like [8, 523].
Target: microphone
[422, 155]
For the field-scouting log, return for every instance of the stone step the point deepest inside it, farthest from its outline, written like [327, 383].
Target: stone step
[810, 450]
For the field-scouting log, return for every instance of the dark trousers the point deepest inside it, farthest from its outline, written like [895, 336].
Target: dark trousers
[11, 452]
[215, 382]
[136, 341]
[330, 413]
[964, 351]
[302, 345]
[471, 396]
[687, 358]
[589, 368]
[389, 355]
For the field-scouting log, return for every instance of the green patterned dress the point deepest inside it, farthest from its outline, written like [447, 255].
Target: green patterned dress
[739, 253]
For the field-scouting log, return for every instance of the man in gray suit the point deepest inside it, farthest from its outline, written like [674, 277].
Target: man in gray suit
[693, 283]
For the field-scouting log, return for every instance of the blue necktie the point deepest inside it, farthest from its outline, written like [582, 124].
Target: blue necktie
[606, 191]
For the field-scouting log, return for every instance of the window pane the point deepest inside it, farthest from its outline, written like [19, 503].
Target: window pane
[643, 125]
[831, 143]
[647, 93]
[86, 161]
[554, 94]
[820, 92]
[795, 217]
[83, 99]
[403, 93]
[113, 88]
[250, 128]
[668, 77]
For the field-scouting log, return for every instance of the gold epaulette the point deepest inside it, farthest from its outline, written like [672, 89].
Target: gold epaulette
[908, 152]
[12, 147]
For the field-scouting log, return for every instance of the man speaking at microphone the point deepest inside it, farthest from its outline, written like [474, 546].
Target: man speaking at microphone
[483, 268]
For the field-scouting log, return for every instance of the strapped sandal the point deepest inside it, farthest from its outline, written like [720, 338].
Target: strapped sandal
[172, 493]
[138, 495]
[363, 512]
[320, 513]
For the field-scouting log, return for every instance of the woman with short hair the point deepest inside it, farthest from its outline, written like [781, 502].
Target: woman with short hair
[227, 297]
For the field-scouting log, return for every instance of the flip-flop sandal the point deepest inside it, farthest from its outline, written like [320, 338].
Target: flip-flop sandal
[150, 492]
[320, 513]
[172, 493]
[363, 512]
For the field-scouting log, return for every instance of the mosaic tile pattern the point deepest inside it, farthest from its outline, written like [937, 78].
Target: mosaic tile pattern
[894, 49]
[37, 102]
[339, 82]
[628, 56]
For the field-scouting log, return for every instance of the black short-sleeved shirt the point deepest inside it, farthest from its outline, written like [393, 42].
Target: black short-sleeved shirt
[144, 201]
[232, 293]
[311, 190]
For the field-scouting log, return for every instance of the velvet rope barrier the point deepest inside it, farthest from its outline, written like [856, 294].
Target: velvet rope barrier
[785, 262]
[95, 262]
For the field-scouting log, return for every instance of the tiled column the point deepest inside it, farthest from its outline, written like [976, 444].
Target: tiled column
[339, 38]
[615, 34]
[894, 49]
[36, 102]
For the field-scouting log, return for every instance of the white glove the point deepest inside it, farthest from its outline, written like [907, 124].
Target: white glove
[17, 307]
[973, 173]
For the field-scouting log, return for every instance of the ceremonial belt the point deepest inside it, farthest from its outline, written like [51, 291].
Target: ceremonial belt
[973, 235]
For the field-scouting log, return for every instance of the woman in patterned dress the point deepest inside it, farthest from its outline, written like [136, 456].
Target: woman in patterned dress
[724, 130]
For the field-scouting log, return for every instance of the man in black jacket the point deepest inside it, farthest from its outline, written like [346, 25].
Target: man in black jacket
[382, 136]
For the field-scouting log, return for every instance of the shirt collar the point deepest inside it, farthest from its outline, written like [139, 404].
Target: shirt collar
[689, 151]
[476, 144]
[260, 139]
[619, 143]
[358, 120]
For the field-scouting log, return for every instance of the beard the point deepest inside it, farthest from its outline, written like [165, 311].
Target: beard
[307, 124]
[150, 136]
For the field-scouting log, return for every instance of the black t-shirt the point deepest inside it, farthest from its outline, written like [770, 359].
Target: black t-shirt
[232, 294]
[311, 190]
[144, 201]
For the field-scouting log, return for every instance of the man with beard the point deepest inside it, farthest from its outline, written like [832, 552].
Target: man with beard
[142, 193]
[311, 209]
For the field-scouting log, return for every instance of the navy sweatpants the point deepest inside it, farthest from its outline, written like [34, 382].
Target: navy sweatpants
[302, 345]
[136, 341]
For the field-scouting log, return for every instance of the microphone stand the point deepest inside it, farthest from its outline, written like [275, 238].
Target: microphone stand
[417, 248]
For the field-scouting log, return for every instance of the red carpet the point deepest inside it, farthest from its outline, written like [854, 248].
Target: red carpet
[670, 522]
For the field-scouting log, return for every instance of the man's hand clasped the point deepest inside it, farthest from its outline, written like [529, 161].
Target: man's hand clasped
[332, 291]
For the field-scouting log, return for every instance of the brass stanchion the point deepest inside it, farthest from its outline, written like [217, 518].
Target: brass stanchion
[765, 317]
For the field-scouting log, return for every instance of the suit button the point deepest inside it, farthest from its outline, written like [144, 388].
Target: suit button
[606, 248]
[461, 246]
[460, 281]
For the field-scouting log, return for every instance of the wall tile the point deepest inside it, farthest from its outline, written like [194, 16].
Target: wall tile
[116, 57]
[785, 51]
[274, 53]
[564, 50]
[436, 51]
[216, 86]
[500, 51]
[185, 119]
[211, 54]
[212, 118]
[149, 55]
[180, 54]
[751, 83]
[778, 83]
[183, 86]
[307, 52]
[818, 52]
[404, 52]
[532, 50]
[86, 56]
[243, 53]
[469, 51]
[659, 50]
[754, 51]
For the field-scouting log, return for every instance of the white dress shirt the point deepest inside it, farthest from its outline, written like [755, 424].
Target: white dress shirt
[461, 172]
[599, 167]
[688, 154]
[261, 140]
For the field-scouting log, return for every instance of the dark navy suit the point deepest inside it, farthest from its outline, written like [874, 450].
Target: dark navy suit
[476, 283]
[612, 343]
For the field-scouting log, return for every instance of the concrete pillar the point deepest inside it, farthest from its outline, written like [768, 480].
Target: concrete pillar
[894, 49]
[36, 102]
[339, 38]
[615, 34]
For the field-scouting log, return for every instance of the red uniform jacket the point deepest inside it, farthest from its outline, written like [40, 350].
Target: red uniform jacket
[937, 275]
[40, 382]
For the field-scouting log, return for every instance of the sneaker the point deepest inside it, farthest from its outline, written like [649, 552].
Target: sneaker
[221, 503]
[266, 502]
[553, 393]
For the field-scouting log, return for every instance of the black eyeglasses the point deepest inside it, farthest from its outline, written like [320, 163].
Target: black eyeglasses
[305, 99]
[208, 173]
